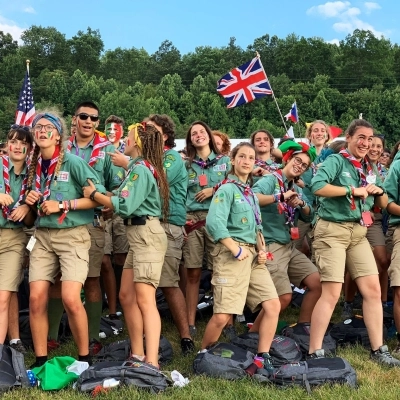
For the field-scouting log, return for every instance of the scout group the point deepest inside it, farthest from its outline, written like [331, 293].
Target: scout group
[141, 215]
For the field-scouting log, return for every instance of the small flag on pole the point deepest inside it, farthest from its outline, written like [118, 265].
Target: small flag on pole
[290, 132]
[26, 107]
[293, 115]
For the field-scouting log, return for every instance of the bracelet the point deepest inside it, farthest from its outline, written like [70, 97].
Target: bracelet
[69, 204]
[380, 194]
[75, 204]
[348, 191]
[91, 197]
[276, 198]
[238, 254]
[304, 205]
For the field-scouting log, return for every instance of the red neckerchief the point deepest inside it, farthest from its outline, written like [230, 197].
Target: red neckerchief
[49, 178]
[166, 148]
[209, 163]
[289, 211]
[150, 167]
[268, 167]
[358, 165]
[98, 143]
[6, 178]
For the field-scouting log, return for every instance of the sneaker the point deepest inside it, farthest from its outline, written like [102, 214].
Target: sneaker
[347, 311]
[52, 344]
[94, 347]
[192, 331]
[396, 351]
[317, 354]
[268, 362]
[230, 332]
[383, 356]
[113, 317]
[19, 346]
[187, 346]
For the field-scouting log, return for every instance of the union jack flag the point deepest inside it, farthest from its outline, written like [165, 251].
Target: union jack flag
[244, 84]
[26, 107]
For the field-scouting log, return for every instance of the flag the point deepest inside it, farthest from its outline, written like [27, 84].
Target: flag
[244, 84]
[335, 131]
[290, 133]
[292, 114]
[26, 107]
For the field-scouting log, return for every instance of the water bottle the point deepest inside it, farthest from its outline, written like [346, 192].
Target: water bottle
[32, 378]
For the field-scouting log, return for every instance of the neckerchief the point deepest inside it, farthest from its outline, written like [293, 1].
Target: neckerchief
[150, 167]
[98, 143]
[358, 165]
[6, 178]
[268, 167]
[209, 163]
[49, 178]
[381, 171]
[166, 148]
[289, 211]
[247, 192]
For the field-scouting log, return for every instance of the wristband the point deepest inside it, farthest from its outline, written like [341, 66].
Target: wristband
[91, 197]
[305, 205]
[75, 204]
[380, 194]
[276, 198]
[238, 254]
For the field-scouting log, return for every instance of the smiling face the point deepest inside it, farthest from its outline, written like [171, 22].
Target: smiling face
[361, 141]
[199, 136]
[319, 134]
[85, 127]
[298, 164]
[46, 134]
[262, 143]
[376, 150]
[18, 149]
[114, 132]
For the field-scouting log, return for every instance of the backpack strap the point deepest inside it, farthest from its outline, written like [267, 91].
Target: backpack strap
[18, 364]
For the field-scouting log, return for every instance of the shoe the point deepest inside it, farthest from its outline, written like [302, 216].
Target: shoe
[230, 332]
[19, 346]
[94, 347]
[383, 356]
[113, 317]
[268, 362]
[187, 346]
[347, 311]
[396, 351]
[133, 358]
[52, 344]
[317, 354]
[192, 331]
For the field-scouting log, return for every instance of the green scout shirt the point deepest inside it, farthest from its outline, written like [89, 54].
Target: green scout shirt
[138, 194]
[307, 176]
[15, 187]
[275, 228]
[392, 188]
[338, 171]
[230, 215]
[215, 174]
[177, 177]
[270, 163]
[73, 175]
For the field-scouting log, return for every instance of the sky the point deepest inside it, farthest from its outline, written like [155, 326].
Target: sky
[189, 24]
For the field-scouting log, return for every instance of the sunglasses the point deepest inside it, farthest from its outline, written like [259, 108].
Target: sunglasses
[16, 126]
[84, 117]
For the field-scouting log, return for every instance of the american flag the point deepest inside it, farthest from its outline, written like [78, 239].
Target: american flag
[244, 84]
[26, 107]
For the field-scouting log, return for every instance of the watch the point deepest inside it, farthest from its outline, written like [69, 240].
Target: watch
[61, 205]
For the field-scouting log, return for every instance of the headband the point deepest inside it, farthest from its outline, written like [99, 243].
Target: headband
[289, 148]
[136, 133]
[50, 117]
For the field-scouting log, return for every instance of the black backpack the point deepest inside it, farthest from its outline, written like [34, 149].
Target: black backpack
[12, 369]
[110, 327]
[224, 360]
[300, 332]
[314, 372]
[353, 331]
[138, 374]
[283, 349]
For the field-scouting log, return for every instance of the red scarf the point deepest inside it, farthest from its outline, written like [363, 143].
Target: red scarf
[150, 167]
[289, 211]
[98, 143]
[358, 165]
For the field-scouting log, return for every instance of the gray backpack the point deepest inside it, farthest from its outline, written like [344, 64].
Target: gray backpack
[12, 369]
[224, 360]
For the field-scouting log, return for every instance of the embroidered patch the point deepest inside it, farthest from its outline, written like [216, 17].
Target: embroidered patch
[221, 167]
[346, 174]
[170, 157]
[371, 179]
[59, 196]
[237, 196]
[192, 175]
[125, 193]
[221, 195]
[245, 220]
[63, 176]
[216, 200]
[133, 176]
[102, 154]
[167, 164]
[221, 280]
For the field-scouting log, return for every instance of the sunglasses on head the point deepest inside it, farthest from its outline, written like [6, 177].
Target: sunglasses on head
[16, 126]
[84, 117]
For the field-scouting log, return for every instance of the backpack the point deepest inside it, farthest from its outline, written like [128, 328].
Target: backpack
[12, 369]
[224, 360]
[283, 349]
[353, 331]
[110, 327]
[139, 374]
[25, 333]
[300, 332]
[121, 350]
[315, 372]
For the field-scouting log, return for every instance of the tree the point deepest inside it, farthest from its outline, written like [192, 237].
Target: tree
[7, 45]
[166, 60]
[56, 91]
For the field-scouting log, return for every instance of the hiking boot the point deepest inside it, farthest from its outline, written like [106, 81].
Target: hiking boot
[230, 332]
[396, 351]
[19, 346]
[383, 356]
[187, 346]
[347, 311]
[317, 354]
[94, 347]
[192, 331]
[52, 344]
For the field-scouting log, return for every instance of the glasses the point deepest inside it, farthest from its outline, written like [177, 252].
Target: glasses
[298, 161]
[47, 128]
[84, 117]
[16, 126]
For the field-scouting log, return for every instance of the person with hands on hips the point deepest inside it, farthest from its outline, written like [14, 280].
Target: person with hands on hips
[239, 273]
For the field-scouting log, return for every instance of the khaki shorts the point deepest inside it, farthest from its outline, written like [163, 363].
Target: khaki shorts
[148, 244]
[199, 244]
[12, 254]
[375, 234]
[236, 283]
[394, 269]
[60, 250]
[389, 238]
[342, 245]
[288, 266]
[96, 252]
[170, 270]
[304, 231]
[116, 241]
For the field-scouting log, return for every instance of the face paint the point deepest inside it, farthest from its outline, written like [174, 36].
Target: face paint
[23, 150]
[128, 142]
[114, 132]
[37, 133]
[10, 148]
[50, 135]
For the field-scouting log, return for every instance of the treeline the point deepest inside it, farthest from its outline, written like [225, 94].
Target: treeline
[329, 82]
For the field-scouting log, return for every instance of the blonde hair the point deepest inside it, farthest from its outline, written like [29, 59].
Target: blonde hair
[318, 121]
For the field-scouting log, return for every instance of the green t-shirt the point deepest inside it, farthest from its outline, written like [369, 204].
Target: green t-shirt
[391, 185]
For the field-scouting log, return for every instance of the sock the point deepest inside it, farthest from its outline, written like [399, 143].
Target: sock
[39, 362]
[87, 358]
[93, 311]
[398, 336]
[14, 341]
[118, 274]
[55, 311]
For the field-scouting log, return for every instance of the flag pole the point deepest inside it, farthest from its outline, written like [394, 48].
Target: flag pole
[298, 125]
[27, 65]
[273, 94]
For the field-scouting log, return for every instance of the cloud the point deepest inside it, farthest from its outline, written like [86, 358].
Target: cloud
[334, 41]
[329, 9]
[30, 10]
[11, 27]
[370, 6]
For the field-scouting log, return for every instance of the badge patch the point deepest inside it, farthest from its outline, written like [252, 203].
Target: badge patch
[346, 174]
[102, 154]
[216, 200]
[59, 196]
[371, 179]
[167, 164]
[134, 176]
[170, 157]
[125, 193]
[63, 176]
[221, 167]
[192, 175]
[245, 220]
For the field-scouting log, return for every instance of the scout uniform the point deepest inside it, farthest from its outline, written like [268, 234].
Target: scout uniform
[232, 214]
[339, 231]
[268, 165]
[177, 178]
[12, 237]
[202, 175]
[138, 203]
[64, 245]
[288, 265]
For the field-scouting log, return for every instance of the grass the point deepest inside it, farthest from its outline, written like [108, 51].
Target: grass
[375, 382]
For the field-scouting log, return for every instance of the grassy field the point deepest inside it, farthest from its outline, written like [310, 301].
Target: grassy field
[375, 382]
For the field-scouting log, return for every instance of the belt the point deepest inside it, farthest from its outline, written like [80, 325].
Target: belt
[246, 244]
[138, 220]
